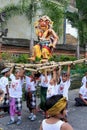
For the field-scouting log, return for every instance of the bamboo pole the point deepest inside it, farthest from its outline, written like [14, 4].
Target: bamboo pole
[24, 65]
[47, 65]
[80, 61]
[29, 69]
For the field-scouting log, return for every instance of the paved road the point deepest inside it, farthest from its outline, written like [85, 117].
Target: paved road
[77, 117]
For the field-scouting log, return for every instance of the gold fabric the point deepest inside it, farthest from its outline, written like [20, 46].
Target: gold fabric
[46, 53]
[58, 107]
[37, 51]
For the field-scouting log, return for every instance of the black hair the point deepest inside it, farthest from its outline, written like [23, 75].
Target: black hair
[52, 101]
[64, 73]
[37, 75]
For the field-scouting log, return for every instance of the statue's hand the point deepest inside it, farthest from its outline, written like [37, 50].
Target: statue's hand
[50, 45]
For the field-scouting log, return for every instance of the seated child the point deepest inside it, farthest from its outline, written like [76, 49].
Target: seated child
[82, 99]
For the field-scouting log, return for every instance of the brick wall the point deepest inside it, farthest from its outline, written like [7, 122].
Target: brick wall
[22, 46]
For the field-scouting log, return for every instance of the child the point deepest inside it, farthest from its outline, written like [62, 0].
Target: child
[56, 109]
[82, 99]
[32, 98]
[51, 90]
[30, 93]
[84, 79]
[4, 85]
[64, 84]
[45, 79]
[51, 87]
[15, 94]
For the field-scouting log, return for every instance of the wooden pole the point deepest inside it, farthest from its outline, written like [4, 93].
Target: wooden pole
[48, 65]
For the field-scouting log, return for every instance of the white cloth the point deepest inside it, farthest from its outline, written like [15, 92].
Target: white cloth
[83, 91]
[51, 90]
[28, 84]
[56, 126]
[3, 83]
[32, 86]
[15, 89]
[63, 88]
[12, 76]
[5, 70]
[84, 80]
[42, 79]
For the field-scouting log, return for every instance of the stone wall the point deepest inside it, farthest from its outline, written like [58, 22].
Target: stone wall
[4, 3]
[14, 45]
[18, 26]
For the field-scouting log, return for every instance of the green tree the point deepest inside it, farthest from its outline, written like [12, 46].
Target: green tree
[53, 8]
[6, 56]
[79, 20]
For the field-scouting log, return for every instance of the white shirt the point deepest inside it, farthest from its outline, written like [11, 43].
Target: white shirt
[32, 86]
[15, 89]
[43, 83]
[28, 84]
[84, 79]
[12, 76]
[3, 83]
[51, 90]
[55, 126]
[63, 88]
[83, 91]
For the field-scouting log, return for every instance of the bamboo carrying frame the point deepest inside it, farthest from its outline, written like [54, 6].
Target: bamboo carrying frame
[47, 65]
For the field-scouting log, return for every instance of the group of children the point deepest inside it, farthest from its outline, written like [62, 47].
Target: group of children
[13, 91]
[52, 84]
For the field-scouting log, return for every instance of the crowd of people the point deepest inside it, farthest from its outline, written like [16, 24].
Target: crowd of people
[54, 86]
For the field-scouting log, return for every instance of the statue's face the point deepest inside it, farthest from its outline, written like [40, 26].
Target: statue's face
[43, 23]
[47, 22]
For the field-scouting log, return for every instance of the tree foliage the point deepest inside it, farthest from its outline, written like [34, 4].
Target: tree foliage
[53, 8]
[79, 20]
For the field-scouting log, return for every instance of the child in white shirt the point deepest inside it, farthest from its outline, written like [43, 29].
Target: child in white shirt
[84, 79]
[15, 94]
[30, 93]
[45, 79]
[4, 86]
[64, 84]
[82, 99]
[52, 85]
